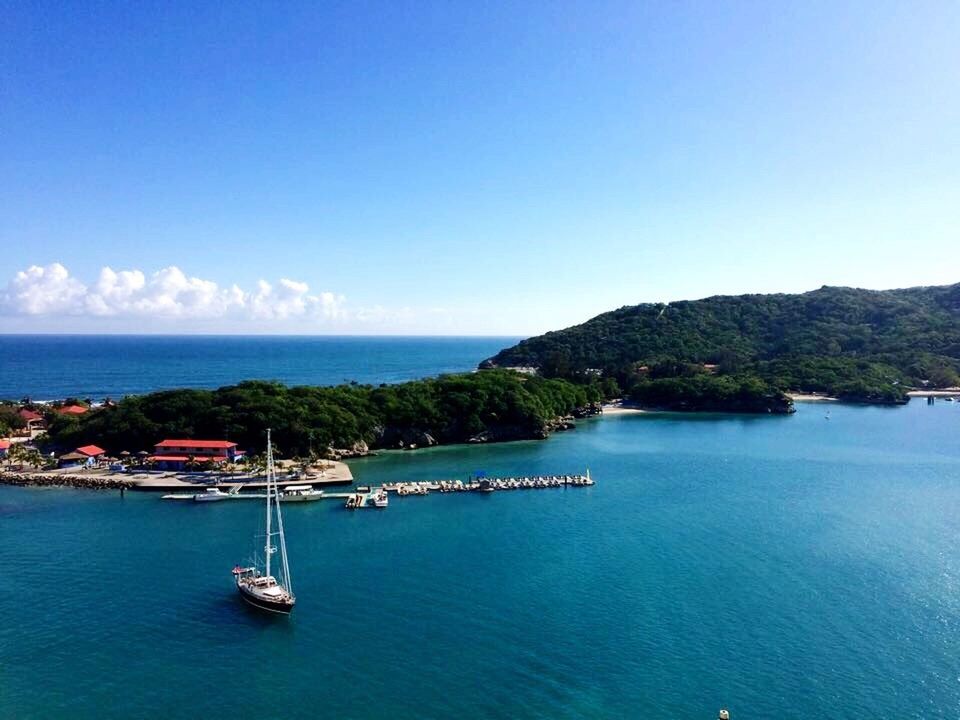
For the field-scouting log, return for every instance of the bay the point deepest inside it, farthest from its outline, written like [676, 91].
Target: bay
[787, 567]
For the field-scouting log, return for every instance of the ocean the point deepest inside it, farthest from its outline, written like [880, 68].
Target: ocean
[49, 367]
[784, 567]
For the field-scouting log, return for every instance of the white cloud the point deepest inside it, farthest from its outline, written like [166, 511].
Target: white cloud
[44, 290]
[166, 294]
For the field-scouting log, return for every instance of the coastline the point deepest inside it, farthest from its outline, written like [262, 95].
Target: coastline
[620, 408]
[810, 397]
[336, 473]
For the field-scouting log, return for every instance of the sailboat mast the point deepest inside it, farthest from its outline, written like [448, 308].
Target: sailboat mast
[269, 490]
[283, 549]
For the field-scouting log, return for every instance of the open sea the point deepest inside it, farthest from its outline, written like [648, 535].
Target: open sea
[50, 367]
[784, 567]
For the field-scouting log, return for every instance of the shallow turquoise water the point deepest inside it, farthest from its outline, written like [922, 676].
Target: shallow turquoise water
[783, 566]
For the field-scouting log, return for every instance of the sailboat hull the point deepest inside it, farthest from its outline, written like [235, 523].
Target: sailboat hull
[280, 607]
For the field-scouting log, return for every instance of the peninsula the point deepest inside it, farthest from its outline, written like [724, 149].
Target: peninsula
[743, 353]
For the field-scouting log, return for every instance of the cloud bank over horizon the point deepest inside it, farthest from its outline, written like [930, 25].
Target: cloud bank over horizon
[170, 297]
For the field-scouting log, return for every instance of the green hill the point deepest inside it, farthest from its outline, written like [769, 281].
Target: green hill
[858, 344]
[468, 407]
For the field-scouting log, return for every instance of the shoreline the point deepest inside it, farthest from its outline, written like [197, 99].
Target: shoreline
[99, 479]
[810, 397]
[621, 409]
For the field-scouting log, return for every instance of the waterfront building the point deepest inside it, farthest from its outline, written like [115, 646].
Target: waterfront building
[87, 456]
[175, 454]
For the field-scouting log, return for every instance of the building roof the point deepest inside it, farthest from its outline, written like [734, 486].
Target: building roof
[72, 410]
[90, 450]
[29, 415]
[200, 444]
[185, 458]
[4, 444]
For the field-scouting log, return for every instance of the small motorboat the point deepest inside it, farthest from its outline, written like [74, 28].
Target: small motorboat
[300, 493]
[381, 500]
[214, 494]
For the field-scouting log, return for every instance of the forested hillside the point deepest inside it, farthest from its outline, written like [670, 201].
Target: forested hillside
[858, 344]
[480, 407]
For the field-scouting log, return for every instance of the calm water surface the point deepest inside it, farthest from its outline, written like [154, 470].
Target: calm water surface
[790, 567]
[48, 367]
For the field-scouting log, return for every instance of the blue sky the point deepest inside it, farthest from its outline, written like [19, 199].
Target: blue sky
[464, 168]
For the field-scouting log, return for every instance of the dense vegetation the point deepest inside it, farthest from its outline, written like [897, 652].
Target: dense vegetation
[726, 393]
[857, 344]
[499, 405]
[10, 421]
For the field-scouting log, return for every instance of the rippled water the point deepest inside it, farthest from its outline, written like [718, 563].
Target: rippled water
[48, 367]
[785, 567]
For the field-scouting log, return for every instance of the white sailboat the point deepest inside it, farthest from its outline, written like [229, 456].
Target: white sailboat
[266, 591]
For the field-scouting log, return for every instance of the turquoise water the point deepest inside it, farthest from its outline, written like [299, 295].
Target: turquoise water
[50, 367]
[786, 567]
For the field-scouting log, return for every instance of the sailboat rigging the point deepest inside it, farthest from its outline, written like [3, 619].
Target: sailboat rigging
[266, 591]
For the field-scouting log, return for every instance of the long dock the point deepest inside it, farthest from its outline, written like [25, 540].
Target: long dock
[493, 484]
[366, 496]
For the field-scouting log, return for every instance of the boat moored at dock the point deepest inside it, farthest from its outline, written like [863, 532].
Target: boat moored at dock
[300, 493]
[215, 494]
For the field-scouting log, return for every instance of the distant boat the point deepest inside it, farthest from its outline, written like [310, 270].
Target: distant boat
[265, 591]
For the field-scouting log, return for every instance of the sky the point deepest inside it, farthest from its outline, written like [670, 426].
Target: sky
[464, 168]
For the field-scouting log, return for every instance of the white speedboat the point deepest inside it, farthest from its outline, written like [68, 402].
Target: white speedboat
[300, 493]
[214, 494]
[381, 500]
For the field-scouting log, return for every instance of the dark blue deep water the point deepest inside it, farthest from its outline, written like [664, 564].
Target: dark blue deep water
[786, 567]
[49, 367]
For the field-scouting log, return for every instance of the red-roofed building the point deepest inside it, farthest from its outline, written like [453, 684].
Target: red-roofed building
[4, 448]
[175, 454]
[33, 419]
[33, 423]
[72, 410]
[91, 451]
[87, 455]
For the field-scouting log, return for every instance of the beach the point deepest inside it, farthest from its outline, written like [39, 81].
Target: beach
[810, 397]
[619, 408]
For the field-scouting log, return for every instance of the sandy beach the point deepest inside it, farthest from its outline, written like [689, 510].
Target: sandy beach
[810, 397]
[621, 409]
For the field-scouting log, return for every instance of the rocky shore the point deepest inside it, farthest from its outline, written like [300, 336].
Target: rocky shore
[390, 438]
[41, 479]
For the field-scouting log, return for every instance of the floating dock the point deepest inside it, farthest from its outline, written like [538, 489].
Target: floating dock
[365, 496]
[492, 484]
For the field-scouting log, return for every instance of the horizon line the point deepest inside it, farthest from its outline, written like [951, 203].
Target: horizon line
[255, 335]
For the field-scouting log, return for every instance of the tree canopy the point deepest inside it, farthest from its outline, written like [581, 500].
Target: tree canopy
[309, 420]
[859, 344]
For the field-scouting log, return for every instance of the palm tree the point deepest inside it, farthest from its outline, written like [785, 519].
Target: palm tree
[24, 455]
